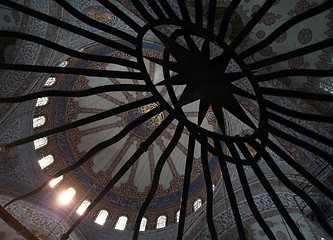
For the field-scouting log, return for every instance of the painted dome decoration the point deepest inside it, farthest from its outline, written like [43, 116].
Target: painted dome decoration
[182, 119]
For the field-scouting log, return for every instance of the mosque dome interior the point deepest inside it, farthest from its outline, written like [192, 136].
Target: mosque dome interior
[166, 119]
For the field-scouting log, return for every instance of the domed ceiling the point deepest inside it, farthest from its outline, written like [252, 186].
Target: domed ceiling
[13, 50]
[131, 189]
[151, 107]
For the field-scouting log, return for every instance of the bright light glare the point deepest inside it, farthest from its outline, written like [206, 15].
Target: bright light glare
[67, 195]
[46, 161]
[40, 142]
[83, 207]
[101, 218]
[197, 204]
[161, 222]
[121, 224]
[55, 181]
[143, 224]
[42, 101]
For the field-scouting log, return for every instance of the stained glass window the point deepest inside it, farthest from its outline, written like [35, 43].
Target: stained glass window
[50, 81]
[55, 181]
[40, 142]
[143, 224]
[84, 205]
[102, 216]
[326, 84]
[63, 64]
[161, 222]
[121, 223]
[38, 121]
[45, 161]
[42, 101]
[197, 204]
[67, 195]
[178, 216]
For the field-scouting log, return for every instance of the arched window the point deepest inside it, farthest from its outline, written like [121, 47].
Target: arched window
[63, 64]
[143, 224]
[101, 218]
[55, 181]
[45, 161]
[67, 195]
[161, 222]
[178, 216]
[50, 81]
[197, 204]
[38, 121]
[84, 205]
[121, 223]
[326, 84]
[42, 101]
[40, 142]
